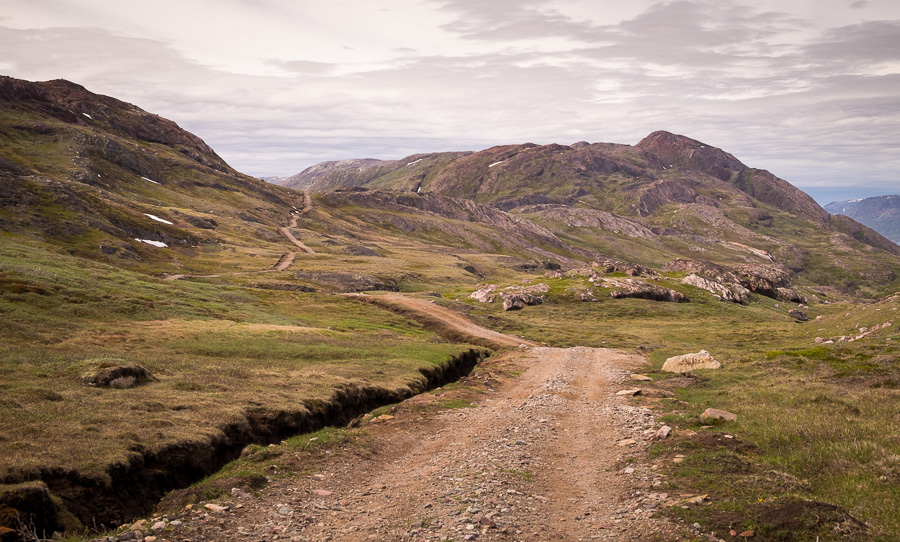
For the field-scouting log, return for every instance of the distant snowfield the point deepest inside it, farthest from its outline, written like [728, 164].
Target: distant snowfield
[159, 244]
[495, 163]
[156, 218]
[151, 180]
[88, 116]
[414, 162]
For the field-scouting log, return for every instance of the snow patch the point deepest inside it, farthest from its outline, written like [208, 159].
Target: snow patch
[156, 218]
[414, 162]
[495, 163]
[151, 180]
[88, 116]
[159, 244]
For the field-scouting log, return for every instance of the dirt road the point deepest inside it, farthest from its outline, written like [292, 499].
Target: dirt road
[446, 317]
[551, 454]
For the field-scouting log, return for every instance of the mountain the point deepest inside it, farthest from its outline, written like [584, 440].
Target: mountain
[667, 197]
[161, 312]
[881, 213]
[103, 179]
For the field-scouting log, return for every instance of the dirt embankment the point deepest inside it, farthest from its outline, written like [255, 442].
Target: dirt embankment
[132, 489]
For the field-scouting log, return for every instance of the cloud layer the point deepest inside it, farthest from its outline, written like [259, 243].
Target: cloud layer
[810, 91]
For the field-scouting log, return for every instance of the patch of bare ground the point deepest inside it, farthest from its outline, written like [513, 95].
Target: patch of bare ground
[549, 452]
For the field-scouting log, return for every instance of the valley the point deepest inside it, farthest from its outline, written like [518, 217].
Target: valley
[146, 380]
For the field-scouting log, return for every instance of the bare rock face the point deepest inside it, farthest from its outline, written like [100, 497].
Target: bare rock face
[690, 362]
[642, 290]
[734, 292]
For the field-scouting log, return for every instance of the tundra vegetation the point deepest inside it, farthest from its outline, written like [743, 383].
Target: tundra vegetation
[116, 349]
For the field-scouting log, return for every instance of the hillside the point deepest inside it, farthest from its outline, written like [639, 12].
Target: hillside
[174, 328]
[881, 213]
[667, 197]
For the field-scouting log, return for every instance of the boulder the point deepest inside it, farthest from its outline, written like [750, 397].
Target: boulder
[716, 414]
[690, 362]
[734, 292]
[109, 375]
[518, 301]
[798, 315]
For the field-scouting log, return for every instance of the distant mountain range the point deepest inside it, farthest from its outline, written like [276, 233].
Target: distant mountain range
[881, 213]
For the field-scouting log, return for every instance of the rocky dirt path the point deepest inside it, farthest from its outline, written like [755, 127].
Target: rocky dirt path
[295, 217]
[550, 452]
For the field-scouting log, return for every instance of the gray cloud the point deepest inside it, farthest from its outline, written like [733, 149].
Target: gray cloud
[818, 106]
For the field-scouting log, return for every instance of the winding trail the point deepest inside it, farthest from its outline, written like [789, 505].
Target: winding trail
[283, 263]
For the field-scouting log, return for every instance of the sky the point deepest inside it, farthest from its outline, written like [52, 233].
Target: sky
[807, 89]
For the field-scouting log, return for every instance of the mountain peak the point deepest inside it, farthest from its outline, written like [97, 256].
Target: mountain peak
[670, 150]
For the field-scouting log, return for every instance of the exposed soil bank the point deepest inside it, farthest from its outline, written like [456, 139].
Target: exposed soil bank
[133, 489]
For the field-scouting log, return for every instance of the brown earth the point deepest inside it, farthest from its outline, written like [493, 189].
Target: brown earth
[549, 452]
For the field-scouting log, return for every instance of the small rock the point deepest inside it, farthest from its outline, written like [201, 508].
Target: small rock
[631, 392]
[798, 315]
[322, 492]
[237, 492]
[158, 526]
[626, 442]
[716, 414]
[746, 534]
[149, 539]
[663, 432]
[215, 507]
[285, 510]
[640, 378]
[628, 470]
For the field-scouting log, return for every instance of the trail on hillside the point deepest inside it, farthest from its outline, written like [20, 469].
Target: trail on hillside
[542, 457]
[292, 223]
[286, 260]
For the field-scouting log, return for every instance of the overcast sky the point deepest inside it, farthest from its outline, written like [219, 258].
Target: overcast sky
[808, 89]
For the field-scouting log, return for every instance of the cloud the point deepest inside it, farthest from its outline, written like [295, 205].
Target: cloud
[814, 103]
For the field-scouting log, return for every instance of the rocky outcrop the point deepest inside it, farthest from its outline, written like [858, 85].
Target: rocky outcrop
[642, 290]
[690, 362]
[630, 269]
[768, 280]
[734, 292]
[484, 293]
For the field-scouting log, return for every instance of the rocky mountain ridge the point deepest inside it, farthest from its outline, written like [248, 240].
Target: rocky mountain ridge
[667, 197]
